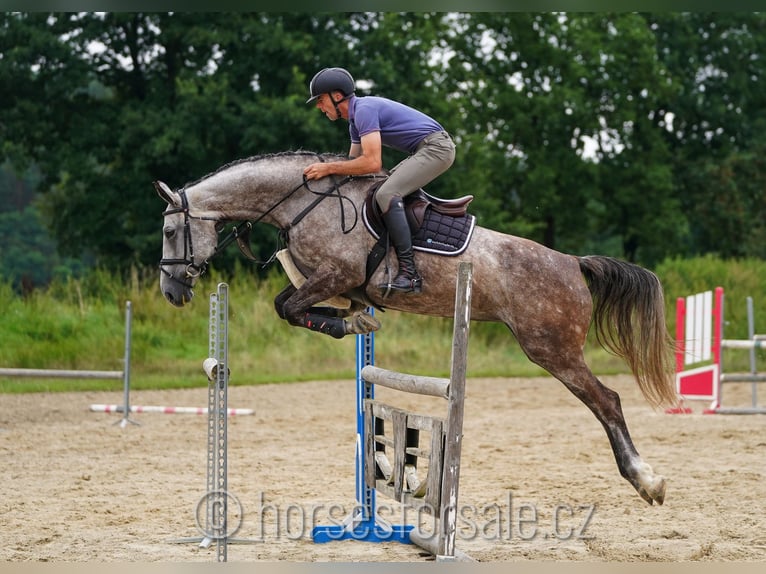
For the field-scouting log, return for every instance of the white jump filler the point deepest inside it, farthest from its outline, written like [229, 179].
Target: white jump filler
[699, 354]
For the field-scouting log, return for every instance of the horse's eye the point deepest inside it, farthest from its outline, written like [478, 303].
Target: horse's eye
[219, 225]
[169, 232]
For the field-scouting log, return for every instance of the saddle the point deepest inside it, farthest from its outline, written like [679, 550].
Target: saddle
[441, 226]
[416, 206]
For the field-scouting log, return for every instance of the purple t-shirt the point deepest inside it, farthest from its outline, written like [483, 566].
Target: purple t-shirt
[401, 127]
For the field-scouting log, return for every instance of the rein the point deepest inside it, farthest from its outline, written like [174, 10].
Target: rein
[322, 195]
[241, 232]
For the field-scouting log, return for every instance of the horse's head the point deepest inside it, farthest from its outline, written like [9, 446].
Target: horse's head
[188, 241]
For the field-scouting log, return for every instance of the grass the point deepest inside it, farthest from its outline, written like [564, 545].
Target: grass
[80, 324]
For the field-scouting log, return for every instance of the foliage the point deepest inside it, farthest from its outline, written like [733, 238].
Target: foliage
[740, 278]
[80, 324]
[638, 135]
[29, 256]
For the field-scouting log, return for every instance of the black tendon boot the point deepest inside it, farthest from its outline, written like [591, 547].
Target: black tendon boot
[407, 279]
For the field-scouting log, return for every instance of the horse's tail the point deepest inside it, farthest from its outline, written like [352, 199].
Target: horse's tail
[629, 319]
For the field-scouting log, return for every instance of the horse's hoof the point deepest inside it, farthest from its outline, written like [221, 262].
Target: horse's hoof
[656, 492]
[361, 324]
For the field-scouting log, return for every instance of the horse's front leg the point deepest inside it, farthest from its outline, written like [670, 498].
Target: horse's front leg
[296, 306]
[281, 299]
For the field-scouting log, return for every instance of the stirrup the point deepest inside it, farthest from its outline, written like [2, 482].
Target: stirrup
[415, 286]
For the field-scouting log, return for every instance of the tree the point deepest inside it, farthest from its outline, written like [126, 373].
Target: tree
[590, 132]
[717, 126]
[537, 88]
[105, 103]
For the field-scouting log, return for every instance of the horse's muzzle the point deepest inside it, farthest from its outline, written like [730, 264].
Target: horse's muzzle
[178, 292]
[179, 299]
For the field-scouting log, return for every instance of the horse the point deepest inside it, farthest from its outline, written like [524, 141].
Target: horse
[547, 299]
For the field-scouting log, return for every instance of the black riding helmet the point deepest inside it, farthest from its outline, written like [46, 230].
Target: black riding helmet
[329, 80]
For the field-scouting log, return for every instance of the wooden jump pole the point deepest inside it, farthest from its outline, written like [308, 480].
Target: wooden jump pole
[443, 545]
[407, 383]
[58, 374]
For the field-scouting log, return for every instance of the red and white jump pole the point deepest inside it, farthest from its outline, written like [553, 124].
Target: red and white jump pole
[97, 408]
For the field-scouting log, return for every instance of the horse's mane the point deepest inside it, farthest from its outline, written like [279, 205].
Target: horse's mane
[255, 158]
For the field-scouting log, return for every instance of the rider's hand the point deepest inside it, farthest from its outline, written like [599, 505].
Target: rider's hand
[316, 171]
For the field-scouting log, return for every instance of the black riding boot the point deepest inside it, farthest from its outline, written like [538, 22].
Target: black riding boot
[407, 279]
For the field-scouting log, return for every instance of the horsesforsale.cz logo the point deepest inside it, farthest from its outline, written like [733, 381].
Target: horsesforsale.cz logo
[214, 514]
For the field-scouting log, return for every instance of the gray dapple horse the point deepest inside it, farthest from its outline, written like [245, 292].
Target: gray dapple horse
[546, 298]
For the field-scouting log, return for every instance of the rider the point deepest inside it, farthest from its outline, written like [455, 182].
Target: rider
[375, 122]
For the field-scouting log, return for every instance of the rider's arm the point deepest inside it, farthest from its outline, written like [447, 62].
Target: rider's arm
[368, 160]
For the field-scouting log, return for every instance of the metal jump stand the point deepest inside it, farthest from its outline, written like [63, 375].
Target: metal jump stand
[214, 524]
[216, 497]
[126, 371]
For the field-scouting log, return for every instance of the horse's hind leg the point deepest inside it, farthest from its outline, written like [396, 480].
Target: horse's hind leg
[562, 357]
[605, 404]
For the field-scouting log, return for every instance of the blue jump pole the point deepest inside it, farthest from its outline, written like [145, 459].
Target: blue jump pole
[363, 523]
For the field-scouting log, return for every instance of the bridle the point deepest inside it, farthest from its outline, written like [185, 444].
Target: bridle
[240, 233]
[193, 270]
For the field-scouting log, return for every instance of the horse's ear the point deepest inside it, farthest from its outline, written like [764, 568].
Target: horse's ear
[166, 193]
